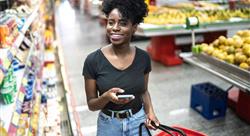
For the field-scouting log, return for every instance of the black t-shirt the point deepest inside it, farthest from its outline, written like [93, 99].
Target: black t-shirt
[131, 79]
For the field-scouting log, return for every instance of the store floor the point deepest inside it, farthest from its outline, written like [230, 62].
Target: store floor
[169, 87]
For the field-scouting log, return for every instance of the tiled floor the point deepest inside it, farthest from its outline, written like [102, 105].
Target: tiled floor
[169, 86]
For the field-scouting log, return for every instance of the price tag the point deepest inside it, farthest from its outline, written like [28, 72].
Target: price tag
[15, 118]
[13, 51]
[18, 106]
[21, 96]
[192, 22]
[6, 63]
[24, 81]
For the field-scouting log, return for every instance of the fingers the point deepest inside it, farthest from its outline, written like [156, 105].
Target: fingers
[150, 120]
[118, 90]
[149, 125]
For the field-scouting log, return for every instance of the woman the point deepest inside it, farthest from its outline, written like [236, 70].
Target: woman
[119, 68]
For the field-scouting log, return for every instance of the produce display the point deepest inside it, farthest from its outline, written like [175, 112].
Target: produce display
[234, 50]
[174, 15]
[201, 5]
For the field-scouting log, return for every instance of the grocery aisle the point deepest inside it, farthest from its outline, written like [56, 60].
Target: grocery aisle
[169, 86]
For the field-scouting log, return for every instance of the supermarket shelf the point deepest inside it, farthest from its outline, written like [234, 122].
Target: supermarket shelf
[13, 49]
[150, 30]
[18, 41]
[6, 110]
[25, 27]
[228, 72]
[30, 19]
[6, 116]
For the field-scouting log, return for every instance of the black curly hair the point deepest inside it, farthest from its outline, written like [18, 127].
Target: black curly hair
[133, 10]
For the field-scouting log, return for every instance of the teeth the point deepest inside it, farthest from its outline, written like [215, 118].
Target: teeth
[116, 36]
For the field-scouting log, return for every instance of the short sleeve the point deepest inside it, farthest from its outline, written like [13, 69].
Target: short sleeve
[89, 67]
[148, 67]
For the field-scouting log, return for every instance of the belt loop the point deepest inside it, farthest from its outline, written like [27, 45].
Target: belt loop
[112, 114]
[130, 111]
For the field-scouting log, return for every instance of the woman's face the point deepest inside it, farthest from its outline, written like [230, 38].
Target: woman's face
[119, 30]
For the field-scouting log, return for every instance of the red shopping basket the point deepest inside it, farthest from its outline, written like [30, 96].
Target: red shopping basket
[172, 131]
[187, 131]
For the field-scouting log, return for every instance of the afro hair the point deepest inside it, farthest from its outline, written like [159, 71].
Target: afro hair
[133, 10]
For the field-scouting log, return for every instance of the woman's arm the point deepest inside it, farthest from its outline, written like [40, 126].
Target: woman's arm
[97, 103]
[148, 105]
[94, 102]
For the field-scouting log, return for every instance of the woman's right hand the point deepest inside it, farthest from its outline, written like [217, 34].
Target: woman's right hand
[111, 96]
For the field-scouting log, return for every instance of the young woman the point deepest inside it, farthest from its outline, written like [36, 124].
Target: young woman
[119, 68]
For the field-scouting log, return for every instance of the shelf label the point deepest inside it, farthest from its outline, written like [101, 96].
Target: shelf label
[21, 96]
[15, 118]
[18, 106]
[13, 51]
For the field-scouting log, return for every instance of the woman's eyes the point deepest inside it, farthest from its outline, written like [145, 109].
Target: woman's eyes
[121, 23]
[110, 23]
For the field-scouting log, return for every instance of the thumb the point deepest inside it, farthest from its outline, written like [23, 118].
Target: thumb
[118, 90]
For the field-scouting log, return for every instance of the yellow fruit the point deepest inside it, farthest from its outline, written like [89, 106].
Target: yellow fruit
[203, 47]
[246, 49]
[230, 42]
[216, 53]
[247, 40]
[222, 47]
[221, 56]
[230, 59]
[238, 50]
[246, 33]
[238, 43]
[230, 50]
[210, 50]
[239, 58]
[240, 33]
[216, 43]
[222, 40]
[244, 66]
[235, 37]
[248, 61]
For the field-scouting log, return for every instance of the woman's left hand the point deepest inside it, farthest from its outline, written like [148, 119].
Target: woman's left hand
[151, 118]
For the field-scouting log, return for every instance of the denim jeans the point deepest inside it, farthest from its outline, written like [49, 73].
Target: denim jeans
[108, 126]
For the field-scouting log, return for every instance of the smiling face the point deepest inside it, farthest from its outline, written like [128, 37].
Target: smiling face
[119, 30]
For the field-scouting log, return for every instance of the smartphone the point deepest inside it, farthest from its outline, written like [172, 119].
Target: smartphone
[126, 96]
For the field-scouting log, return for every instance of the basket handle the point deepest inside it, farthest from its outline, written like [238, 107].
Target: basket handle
[163, 128]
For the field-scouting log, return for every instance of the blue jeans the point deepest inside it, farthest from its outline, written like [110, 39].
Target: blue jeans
[108, 126]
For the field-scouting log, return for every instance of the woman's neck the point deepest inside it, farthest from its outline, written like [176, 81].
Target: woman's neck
[121, 50]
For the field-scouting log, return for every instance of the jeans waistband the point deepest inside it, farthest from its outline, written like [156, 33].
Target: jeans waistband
[123, 113]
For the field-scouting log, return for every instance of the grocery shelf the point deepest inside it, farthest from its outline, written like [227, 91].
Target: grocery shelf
[9, 112]
[31, 18]
[25, 27]
[6, 110]
[150, 30]
[13, 49]
[230, 73]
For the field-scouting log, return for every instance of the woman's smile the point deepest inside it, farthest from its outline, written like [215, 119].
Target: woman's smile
[116, 37]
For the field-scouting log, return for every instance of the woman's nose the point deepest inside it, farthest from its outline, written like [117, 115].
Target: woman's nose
[116, 27]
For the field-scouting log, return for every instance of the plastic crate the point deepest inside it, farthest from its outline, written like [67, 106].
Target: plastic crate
[187, 131]
[208, 100]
